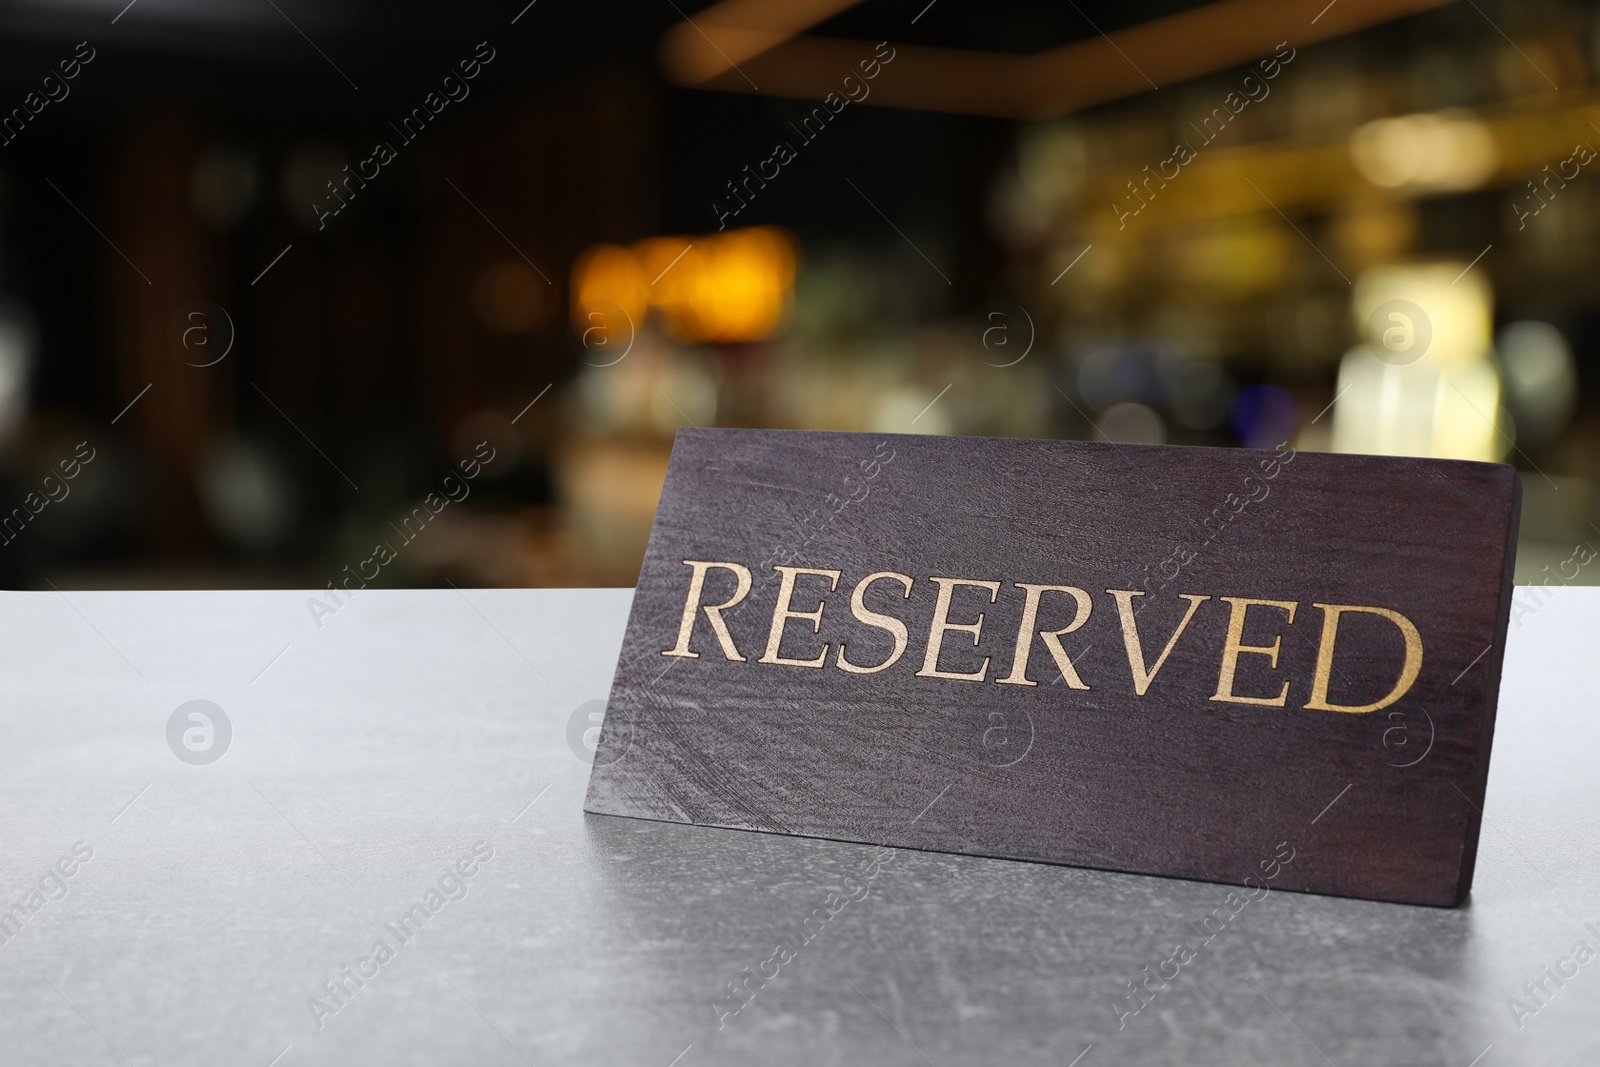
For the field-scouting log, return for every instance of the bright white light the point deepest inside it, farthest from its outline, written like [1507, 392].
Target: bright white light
[1441, 400]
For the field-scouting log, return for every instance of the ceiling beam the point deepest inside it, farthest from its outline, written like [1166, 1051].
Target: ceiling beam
[1092, 71]
[715, 41]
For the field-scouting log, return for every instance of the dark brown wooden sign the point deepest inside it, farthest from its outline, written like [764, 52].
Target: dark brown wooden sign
[1191, 662]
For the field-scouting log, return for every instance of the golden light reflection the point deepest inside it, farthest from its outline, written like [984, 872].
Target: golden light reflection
[713, 289]
[1444, 151]
[1244, 257]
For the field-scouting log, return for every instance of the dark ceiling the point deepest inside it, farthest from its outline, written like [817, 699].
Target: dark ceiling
[249, 52]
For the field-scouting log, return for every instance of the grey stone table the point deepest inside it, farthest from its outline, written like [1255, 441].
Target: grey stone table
[400, 799]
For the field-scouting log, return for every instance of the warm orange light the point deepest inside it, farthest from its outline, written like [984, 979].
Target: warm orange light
[716, 289]
[607, 277]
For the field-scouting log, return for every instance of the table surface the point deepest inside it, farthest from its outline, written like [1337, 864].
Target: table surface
[371, 752]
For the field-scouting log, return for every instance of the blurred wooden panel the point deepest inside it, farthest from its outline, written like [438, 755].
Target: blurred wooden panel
[154, 225]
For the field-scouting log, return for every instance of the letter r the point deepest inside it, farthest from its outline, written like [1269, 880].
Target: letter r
[692, 606]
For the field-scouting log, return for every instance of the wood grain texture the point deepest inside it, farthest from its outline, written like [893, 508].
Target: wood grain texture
[1382, 805]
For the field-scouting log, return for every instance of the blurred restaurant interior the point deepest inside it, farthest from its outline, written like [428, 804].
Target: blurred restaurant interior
[270, 269]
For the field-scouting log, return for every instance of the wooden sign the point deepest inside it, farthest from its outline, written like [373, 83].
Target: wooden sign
[1269, 669]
